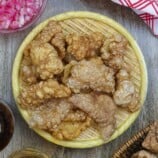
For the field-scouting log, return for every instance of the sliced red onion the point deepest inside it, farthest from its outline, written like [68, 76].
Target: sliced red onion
[15, 14]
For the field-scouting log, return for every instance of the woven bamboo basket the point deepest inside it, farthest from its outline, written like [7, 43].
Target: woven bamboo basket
[133, 145]
[87, 22]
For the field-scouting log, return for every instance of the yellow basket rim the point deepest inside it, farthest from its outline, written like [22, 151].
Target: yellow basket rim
[81, 14]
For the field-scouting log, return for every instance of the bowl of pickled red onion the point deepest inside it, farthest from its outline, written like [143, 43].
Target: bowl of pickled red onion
[17, 15]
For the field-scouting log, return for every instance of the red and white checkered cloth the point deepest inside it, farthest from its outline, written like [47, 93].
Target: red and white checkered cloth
[146, 9]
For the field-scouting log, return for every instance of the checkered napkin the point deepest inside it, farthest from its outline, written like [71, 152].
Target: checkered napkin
[146, 9]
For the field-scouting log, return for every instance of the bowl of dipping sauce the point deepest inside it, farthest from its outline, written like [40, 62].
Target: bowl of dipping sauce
[18, 15]
[6, 124]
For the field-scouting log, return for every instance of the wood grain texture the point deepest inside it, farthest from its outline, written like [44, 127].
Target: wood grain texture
[23, 136]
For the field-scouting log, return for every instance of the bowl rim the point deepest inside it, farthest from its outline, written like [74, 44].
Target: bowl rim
[95, 16]
[30, 150]
[30, 23]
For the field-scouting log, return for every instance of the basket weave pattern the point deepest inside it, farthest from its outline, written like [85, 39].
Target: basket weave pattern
[133, 145]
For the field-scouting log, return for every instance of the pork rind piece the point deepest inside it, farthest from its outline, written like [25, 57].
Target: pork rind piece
[58, 41]
[100, 108]
[151, 141]
[84, 46]
[38, 93]
[96, 40]
[67, 71]
[125, 95]
[28, 72]
[46, 60]
[53, 33]
[49, 32]
[49, 115]
[143, 154]
[113, 50]
[91, 74]
[71, 129]
[75, 115]
[75, 122]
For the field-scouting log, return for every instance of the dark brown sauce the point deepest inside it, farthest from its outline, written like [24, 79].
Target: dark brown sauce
[6, 125]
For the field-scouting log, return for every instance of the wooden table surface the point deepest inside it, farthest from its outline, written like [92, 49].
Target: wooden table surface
[25, 137]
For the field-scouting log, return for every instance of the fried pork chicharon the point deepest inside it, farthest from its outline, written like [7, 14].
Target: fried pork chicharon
[75, 81]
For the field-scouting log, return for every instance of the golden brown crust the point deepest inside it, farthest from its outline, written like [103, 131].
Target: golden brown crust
[100, 108]
[42, 91]
[67, 71]
[49, 32]
[71, 130]
[84, 46]
[75, 115]
[53, 65]
[58, 41]
[125, 95]
[45, 58]
[91, 74]
[112, 51]
[49, 115]
[28, 71]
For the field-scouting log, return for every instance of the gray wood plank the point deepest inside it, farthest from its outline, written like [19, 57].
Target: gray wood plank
[23, 136]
